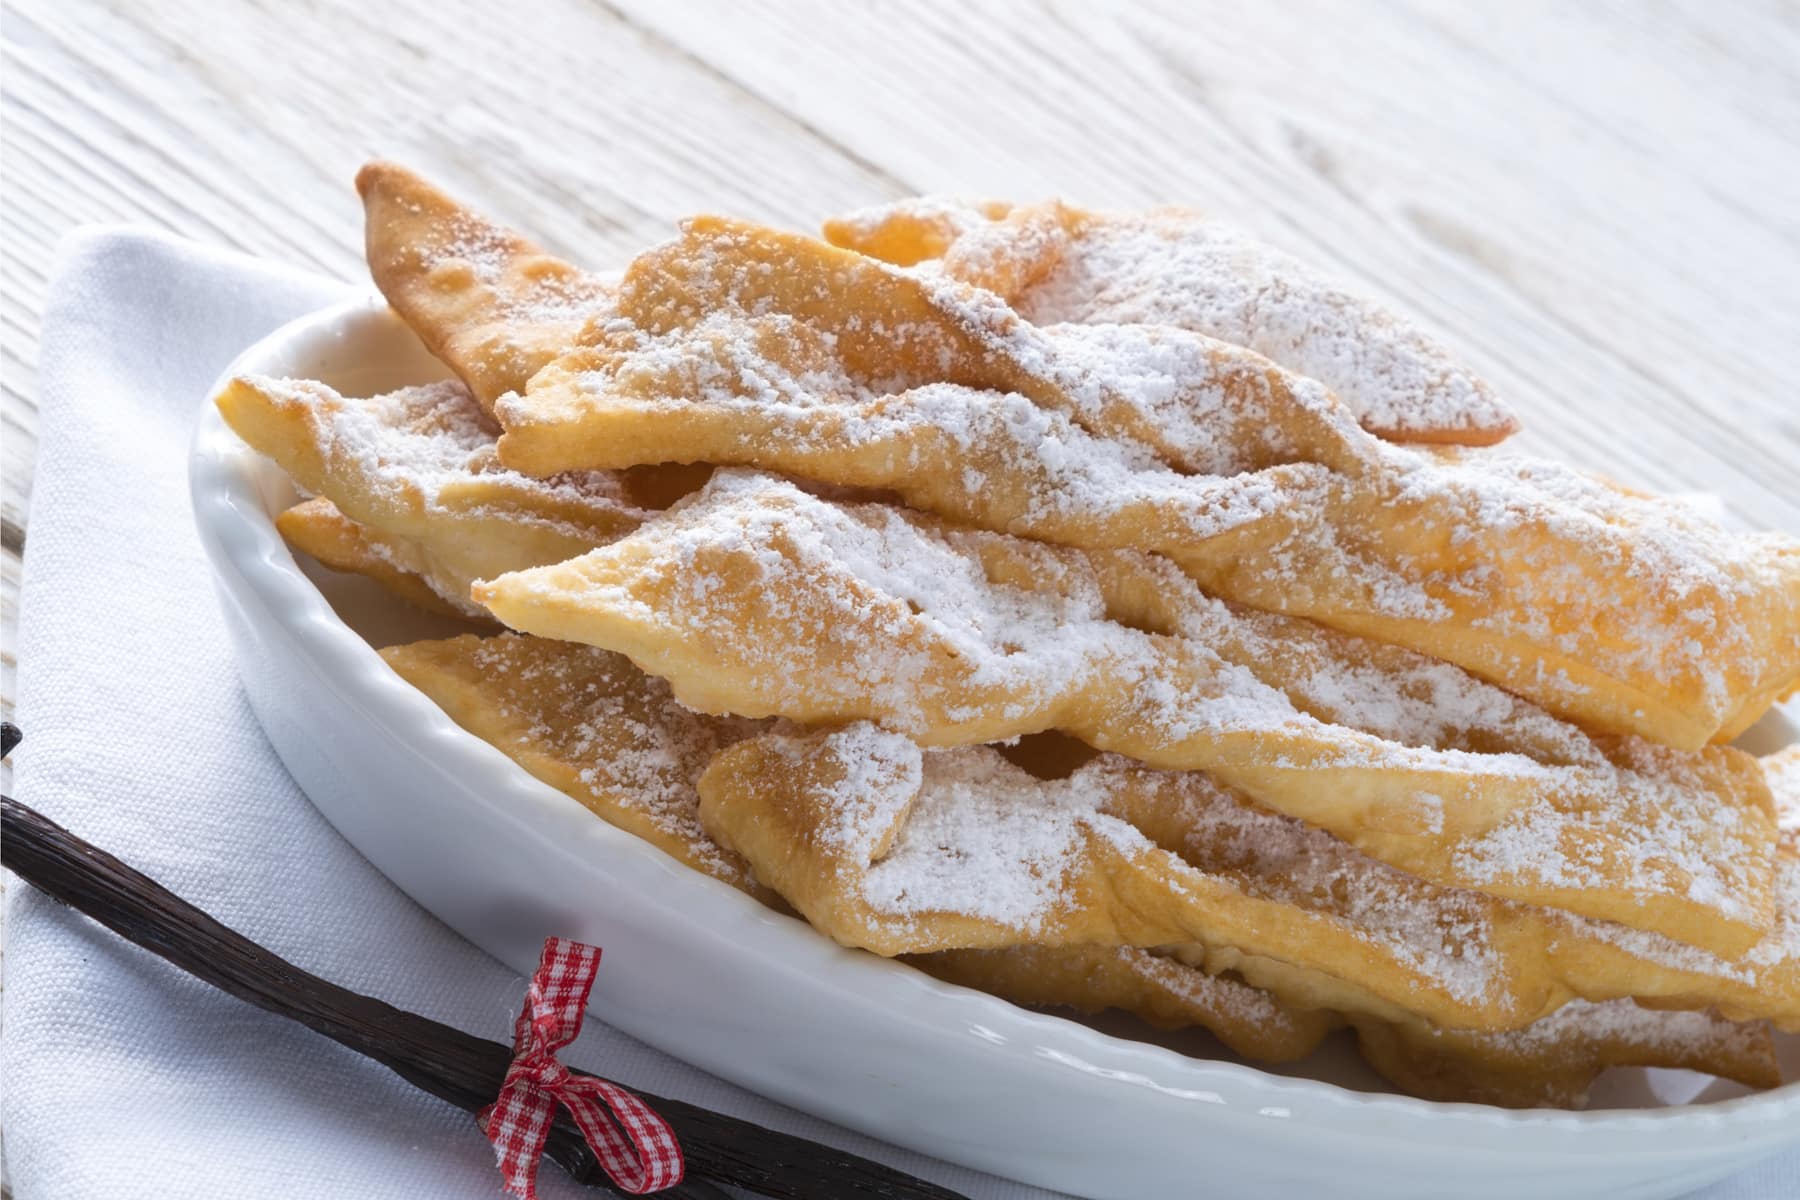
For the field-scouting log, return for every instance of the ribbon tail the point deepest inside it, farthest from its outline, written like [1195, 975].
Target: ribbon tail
[635, 1146]
[518, 1124]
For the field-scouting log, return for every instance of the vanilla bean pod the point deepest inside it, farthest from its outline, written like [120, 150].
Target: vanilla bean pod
[465, 1070]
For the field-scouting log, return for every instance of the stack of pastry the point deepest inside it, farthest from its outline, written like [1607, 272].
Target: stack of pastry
[1104, 611]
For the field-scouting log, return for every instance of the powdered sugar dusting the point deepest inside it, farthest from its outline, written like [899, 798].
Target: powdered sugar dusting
[1769, 970]
[949, 626]
[1665, 550]
[878, 776]
[1782, 770]
[985, 839]
[924, 226]
[1139, 432]
[846, 611]
[1203, 991]
[418, 444]
[592, 724]
[793, 405]
[420, 467]
[1444, 934]
[1654, 822]
[1175, 268]
[967, 832]
[524, 285]
[1626, 1026]
[969, 847]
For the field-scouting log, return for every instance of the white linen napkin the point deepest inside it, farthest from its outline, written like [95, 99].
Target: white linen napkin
[124, 1077]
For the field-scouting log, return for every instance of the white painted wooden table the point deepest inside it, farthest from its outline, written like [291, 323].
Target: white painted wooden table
[1599, 203]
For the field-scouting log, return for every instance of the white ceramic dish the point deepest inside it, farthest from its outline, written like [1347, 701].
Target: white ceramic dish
[762, 1000]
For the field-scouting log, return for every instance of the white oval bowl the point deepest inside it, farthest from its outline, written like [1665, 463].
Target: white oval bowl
[764, 1001]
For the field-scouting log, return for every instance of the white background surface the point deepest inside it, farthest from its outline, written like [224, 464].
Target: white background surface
[1598, 203]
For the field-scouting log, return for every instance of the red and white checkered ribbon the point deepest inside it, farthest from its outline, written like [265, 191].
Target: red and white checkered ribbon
[635, 1146]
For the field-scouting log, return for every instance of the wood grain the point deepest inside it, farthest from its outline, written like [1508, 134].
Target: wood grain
[1615, 244]
[1598, 203]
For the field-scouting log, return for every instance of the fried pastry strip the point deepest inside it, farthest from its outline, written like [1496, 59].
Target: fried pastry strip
[591, 725]
[900, 850]
[759, 599]
[317, 528]
[770, 392]
[417, 470]
[1550, 1063]
[743, 345]
[1782, 771]
[915, 230]
[1176, 267]
[1163, 992]
[489, 303]
[1554, 1062]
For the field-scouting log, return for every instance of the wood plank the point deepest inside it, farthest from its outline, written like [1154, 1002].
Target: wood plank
[1560, 190]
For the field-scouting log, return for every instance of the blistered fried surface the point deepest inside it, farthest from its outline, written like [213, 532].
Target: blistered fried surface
[1554, 1062]
[1179, 268]
[418, 468]
[316, 527]
[1550, 1063]
[1162, 991]
[900, 850]
[587, 723]
[484, 299]
[743, 345]
[759, 599]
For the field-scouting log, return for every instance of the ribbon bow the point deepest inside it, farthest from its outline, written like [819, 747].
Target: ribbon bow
[635, 1146]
